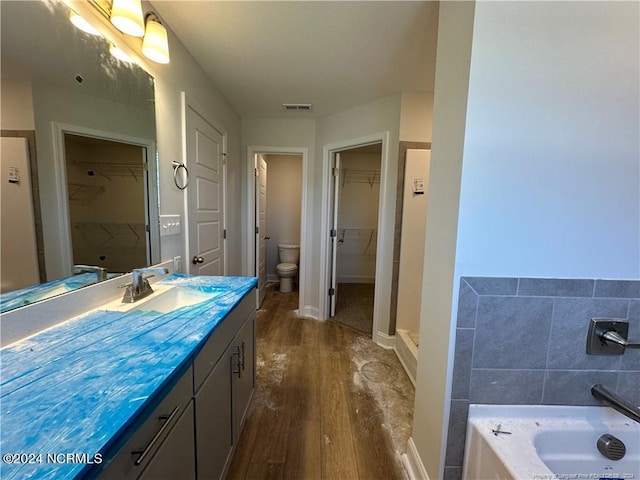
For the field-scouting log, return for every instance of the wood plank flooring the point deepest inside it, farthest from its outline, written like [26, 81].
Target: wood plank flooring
[329, 403]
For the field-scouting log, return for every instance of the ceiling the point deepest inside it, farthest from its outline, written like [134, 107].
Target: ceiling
[334, 55]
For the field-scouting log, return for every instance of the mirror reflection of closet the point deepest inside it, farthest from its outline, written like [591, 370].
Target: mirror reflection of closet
[106, 183]
[57, 79]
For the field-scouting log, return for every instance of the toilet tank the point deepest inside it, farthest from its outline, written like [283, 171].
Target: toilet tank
[289, 253]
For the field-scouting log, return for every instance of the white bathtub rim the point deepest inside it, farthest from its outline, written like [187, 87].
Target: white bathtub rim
[534, 412]
[524, 462]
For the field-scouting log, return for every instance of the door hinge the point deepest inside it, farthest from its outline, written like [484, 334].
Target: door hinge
[333, 233]
[332, 291]
[257, 172]
[224, 234]
[257, 230]
[334, 171]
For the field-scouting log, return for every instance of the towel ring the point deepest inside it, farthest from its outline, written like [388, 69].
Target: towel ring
[181, 180]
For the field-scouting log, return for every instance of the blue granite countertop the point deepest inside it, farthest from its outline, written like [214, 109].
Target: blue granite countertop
[77, 388]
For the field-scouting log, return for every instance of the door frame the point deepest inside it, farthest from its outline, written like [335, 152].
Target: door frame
[386, 226]
[152, 209]
[250, 258]
[189, 102]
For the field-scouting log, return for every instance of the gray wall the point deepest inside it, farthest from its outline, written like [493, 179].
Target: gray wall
[523, 340]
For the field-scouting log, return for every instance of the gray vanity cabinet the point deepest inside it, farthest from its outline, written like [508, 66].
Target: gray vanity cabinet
[222, 398]
[174, 458]
[213, 420]
[163, 443]
[194, 430]
[243, 376]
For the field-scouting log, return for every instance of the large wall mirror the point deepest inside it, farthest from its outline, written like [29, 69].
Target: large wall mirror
[79, 163]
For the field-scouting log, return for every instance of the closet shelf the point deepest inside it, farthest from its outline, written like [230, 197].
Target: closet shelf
[84, 194]
[117, 235]
[360, 176]
[109, 170]
[351, 236]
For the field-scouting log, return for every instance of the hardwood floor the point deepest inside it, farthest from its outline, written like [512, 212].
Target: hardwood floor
[329, 403]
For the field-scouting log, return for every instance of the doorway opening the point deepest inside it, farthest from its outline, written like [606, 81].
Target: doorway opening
[356, 196]
[276, 215]
[108, 211]
[108, 193]
[278, 211]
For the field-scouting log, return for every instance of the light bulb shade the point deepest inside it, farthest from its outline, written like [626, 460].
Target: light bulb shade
[82, 24]
[155, 45]
[126, 16]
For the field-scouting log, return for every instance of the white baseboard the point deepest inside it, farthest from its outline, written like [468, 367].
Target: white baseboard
[384, 340]
[413, 463]
[310, 312]
[407, 353]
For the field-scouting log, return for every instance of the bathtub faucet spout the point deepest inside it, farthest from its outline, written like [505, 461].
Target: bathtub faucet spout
[616, 402]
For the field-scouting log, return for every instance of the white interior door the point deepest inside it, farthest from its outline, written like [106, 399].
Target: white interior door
[261, 226]
[333, 288]
[205, 196]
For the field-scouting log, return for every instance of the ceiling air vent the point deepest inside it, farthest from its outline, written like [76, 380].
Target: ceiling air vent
[304, 107]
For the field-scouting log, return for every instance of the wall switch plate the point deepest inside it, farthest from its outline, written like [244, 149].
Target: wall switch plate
[596, 345]
[14, 175]
[169, 225]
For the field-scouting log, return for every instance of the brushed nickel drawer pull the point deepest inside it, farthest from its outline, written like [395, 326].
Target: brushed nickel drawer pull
[144, 452]
[238, 364]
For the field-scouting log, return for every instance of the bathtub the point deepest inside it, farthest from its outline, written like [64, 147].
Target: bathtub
[547, 442]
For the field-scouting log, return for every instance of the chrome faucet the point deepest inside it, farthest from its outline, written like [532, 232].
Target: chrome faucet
[139, 286]
[616, 402]
[100, 272]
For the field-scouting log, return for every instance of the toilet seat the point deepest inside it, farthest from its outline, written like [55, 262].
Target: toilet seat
[286, 267]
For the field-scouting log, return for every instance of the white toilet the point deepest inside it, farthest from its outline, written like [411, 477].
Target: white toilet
[288, 267]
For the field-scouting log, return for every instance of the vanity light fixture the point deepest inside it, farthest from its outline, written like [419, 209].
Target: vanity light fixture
[126, 16]
[155, 44]
[82, 24]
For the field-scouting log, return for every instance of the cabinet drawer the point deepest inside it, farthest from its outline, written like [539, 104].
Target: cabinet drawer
[151, 434]
[220, 339]
[175, 459]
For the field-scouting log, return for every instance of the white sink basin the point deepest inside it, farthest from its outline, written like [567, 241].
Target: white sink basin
[164, 299]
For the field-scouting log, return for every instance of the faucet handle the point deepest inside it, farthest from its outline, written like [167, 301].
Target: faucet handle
[614, 337]
[608, 336]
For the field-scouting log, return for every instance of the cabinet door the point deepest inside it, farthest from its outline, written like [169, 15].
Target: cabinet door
[243, 372]
[129, 462]
[175, 457]
[213, 421]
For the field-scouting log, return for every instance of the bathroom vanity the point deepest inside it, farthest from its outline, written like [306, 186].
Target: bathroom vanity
[158, 388]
